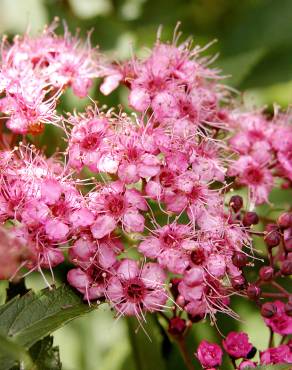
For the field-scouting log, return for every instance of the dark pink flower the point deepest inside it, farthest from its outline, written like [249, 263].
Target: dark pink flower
[237, 344]
[277, 355]
[209, 354]
[280, 322]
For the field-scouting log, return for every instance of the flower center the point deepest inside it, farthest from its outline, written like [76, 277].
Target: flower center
[91, 141]
[166, 179]
[198, 256]
[254, 175]
[135, 290]
[115, 204]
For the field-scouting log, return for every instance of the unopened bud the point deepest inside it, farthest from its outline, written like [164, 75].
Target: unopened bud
[236, 202]
[177, 326]
[288, 240]
[238, 282]
[174, 286]
[266, 273]
[239, 259]
[286, 268]
[273, 237]
[288, 308]
[253, 291]
[250, 218]
[285, 220]
[268, 310]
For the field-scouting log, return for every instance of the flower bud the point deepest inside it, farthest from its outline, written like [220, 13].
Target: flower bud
[288, 240]
[253, 292]
[286, 268]
[268, 310]
[236, 202]
[250, 218]
[174, 286]
[177, 326]
[238, 282]
[273, 237]
[271, 227]
[285, 220]
[266, 273]
[180, 301]
[288, 308]
[239, 259]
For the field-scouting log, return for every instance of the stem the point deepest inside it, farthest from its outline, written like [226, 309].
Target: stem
[271, 340]
[274, 295]
[283, 339]
[233, 362]
[184, 352]
[280, 288]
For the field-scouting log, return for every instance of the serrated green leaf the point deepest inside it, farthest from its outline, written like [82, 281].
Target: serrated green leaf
[29, 318]
[45, 356]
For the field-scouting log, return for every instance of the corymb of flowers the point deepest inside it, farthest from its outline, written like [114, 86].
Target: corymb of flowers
[154, 209]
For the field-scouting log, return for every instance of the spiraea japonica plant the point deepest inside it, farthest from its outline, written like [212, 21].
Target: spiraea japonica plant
[151, 208]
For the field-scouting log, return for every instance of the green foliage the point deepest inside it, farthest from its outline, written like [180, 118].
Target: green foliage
[45, 356]
[273, 367]
[25, 320]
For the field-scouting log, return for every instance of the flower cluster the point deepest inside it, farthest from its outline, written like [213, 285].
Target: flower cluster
[238, 347]
[152, 224]
[35, 72]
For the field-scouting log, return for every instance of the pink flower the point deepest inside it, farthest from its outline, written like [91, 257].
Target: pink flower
[278, 355]
[135, 290]
[209, 354]
[247, 364]
[237, 345]
[255, 175]
[280, 323]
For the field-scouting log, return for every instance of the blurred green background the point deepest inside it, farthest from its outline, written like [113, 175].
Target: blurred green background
[254, 46]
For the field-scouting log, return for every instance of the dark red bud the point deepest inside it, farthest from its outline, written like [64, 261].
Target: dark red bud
[174, 286]
[286, 268]
[288, 308]
[285, 220]
[288, 240]
[250, 218]
[271, 227]
[272, 239]
[266, 273]
[239, 259]
[268, 310]
[177, 326]
[238, 282]
[236, 202]
[253, 292]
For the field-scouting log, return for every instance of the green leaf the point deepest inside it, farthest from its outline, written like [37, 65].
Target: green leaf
[240, 66]
[273, 367]
[3, 291]
[27, 319]
[147, 348]
[12, 353]
[45, 356]
[268, 24]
